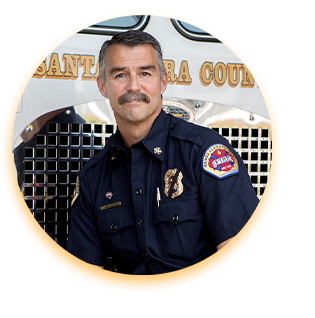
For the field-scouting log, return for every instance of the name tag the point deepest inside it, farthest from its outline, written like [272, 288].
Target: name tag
[109, 206]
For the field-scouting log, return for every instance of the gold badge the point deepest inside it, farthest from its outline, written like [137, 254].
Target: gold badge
[173, 183]
[76, 191]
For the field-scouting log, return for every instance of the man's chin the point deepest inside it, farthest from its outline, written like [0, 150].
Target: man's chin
[139, 115]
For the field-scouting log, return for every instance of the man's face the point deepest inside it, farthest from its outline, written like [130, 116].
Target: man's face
[133, 84]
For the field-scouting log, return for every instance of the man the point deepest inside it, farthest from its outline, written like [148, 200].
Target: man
[163, 194]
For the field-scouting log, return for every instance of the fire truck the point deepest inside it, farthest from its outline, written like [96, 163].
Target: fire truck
[62, 119]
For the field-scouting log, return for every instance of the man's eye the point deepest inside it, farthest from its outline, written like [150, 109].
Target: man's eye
[145, 74]
[119, 75]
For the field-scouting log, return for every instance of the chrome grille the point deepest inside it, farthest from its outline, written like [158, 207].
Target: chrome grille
[177, 112]
[254, 145]
[178, 109]
[52, 166]
[51, 170]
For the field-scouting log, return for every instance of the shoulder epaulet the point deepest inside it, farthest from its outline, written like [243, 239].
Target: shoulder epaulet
[184, 130]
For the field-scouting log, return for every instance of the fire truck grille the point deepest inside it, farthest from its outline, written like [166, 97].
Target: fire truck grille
[52, 166]
[255, 148]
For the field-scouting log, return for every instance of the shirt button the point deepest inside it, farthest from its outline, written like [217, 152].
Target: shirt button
[173, 127]
[140, 223]
[146, 254]
[175, 218]
[113, 227]
[138, 191]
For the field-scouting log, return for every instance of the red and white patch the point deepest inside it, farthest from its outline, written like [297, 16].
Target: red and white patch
[108, 195]
[219, 161]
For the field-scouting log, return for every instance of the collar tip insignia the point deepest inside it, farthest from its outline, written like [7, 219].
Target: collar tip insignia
[157, 150]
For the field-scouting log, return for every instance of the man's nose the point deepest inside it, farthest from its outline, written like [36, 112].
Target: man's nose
[133, 83]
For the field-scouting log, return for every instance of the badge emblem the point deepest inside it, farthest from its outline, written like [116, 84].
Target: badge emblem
[76, 191]
[108, 195]
[173, 183]
[219, 161]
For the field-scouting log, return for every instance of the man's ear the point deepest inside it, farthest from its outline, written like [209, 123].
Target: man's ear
[101, 87]
[164, 82]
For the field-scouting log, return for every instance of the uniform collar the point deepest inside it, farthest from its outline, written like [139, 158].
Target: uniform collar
[154, 141]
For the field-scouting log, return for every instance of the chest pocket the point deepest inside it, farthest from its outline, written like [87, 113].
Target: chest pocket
[118, 233]
[180, 229]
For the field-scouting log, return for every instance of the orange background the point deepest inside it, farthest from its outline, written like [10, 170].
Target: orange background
[33, 263]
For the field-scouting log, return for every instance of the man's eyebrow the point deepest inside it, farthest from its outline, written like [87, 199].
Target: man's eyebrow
[147, 67]
[116, 69]
[119, 69]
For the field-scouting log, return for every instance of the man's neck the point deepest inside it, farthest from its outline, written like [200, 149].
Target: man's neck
[131, 133]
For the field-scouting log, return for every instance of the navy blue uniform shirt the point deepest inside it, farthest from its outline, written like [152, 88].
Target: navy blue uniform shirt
[157, 206]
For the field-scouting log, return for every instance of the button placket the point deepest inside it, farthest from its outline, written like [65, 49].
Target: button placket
[138, 191]
[138, 176]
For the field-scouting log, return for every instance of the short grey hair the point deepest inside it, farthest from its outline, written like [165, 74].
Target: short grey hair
[131, 39]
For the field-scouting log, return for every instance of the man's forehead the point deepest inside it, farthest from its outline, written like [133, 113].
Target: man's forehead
[130, 47]
[120, 54]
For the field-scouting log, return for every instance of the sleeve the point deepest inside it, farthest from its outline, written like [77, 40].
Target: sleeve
[84, 241]
[226, 196]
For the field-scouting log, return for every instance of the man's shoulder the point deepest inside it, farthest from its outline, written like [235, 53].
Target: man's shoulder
[194, 133]
[98, 158]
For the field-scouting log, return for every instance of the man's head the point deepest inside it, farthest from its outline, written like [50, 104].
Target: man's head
[132, 76]
[131, 39]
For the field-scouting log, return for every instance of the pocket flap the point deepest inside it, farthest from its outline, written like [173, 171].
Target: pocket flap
[177, 212]
[115, 220]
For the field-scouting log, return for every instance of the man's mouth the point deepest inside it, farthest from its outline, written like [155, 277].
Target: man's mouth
[130, 97]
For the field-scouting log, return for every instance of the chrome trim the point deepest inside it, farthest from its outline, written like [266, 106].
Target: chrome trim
[170, 105]
[193, 35]
[113, 30]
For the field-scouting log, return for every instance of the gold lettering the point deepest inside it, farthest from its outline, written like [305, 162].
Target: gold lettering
[206, 73]
[70, 65]
[97, 68]
[233, 74]
[54, 67]
[41, 70]
[247, 78]
[170, 66]
[183, 77]
[219, 77]
[87, 62]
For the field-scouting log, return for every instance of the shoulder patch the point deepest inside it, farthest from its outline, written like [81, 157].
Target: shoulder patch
[219, 161]
[76, 191]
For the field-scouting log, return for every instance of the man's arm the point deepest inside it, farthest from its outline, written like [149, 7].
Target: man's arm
[224, 243]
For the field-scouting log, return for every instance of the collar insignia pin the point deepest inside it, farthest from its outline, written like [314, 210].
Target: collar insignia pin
[108, 195]
[157, 150]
